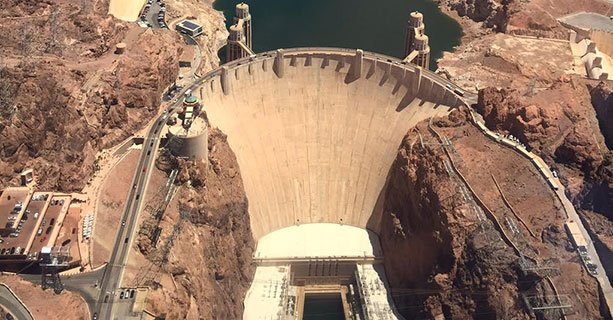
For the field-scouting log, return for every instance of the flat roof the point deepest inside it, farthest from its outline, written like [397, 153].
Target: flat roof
[188, 24]
[29, 224]
[8, 199]
[56, 211]
[588, 21]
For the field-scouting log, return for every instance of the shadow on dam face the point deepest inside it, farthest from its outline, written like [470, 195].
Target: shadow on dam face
[315, 130]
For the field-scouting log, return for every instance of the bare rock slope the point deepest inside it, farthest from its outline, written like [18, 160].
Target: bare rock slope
[210, 264]
[64, 94]
[445, 258]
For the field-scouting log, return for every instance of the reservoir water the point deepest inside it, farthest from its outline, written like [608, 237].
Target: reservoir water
[373, 25]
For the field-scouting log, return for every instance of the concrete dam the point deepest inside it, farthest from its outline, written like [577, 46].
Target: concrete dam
[315, 131]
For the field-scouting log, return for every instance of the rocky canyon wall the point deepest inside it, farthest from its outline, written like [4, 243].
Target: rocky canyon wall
[437, 256]
[210, 264]
[64, 94]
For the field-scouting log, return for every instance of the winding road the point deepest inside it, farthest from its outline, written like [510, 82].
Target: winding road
[11, 303]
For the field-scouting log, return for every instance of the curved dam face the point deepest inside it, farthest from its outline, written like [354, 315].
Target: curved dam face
[315, 130]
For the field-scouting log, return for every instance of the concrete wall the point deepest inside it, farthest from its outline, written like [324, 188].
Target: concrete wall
[603, 40]
[193, 147]
[314, 134]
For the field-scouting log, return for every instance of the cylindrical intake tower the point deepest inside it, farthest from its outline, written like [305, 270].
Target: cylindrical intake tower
[416, 19]
[233, 48]
[415, 26]
[423, 49]
[242, 12]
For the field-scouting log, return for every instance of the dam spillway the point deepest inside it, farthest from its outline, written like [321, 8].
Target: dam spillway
[315, 132]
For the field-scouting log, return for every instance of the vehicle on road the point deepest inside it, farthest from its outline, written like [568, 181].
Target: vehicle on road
[123, 223]
[592, 268]
[95, 317]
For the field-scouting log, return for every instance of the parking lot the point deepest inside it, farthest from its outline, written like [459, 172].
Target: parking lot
[49, 228]
[153, 14]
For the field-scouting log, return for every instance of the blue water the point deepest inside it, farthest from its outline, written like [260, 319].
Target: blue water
[373, 25]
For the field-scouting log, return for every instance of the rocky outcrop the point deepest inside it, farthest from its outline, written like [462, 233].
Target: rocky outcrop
[493, 13]
[556, 124]
[62, 103]
[437, 257]
[211, 260]
[602, 100]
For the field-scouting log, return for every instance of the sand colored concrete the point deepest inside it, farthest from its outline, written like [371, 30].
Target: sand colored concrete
[314, 137]
[265, 298]
[331, 240]
[127, 10]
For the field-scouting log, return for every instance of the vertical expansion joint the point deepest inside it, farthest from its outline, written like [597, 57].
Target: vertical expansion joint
[279, 66]
[358, 62]
[417, 80]
[224, 80]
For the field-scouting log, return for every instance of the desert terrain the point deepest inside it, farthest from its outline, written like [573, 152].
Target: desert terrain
[65, 96]
[44, 304]
[518, 55]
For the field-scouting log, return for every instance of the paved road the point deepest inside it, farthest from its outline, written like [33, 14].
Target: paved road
[10, 302]
[113, 273]
[116, 266]
[602, 278]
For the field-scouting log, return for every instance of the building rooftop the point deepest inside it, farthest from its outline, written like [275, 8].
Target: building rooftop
[12, 204]
[191, 99]
[197, 128]
[587, 21]
[51, 224]
[188, 24]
